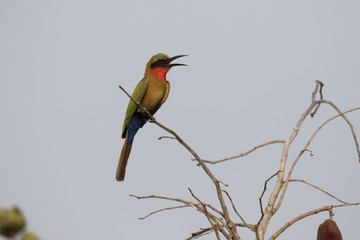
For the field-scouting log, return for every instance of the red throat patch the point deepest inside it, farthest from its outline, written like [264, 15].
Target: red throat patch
[160, 72]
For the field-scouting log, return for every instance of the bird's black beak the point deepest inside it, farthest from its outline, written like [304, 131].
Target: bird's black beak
[167, 63]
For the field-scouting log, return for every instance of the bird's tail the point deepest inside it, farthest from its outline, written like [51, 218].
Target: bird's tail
[124, 156]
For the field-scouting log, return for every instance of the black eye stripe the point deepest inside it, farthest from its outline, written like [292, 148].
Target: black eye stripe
[157, 63]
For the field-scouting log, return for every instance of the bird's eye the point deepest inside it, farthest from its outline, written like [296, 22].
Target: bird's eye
[157, 63]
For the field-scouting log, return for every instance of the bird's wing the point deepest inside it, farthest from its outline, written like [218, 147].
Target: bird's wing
[166, 92]
[138, 94]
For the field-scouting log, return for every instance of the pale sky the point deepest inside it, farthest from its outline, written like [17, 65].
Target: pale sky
[252, 68]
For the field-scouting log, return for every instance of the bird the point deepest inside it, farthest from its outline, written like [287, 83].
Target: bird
[151, 92]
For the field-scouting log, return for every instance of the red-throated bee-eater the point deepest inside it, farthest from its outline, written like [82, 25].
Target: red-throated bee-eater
[151, 92]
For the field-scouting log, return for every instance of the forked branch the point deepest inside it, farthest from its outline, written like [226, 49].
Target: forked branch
[286, 183]
[270, 209]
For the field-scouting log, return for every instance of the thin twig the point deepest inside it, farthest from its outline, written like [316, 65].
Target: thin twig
[243, 154]
[322, 190]
[207, 215]
[321, 97]
[195, 206]
[304, 215]
[348, 122]
[201, 233]
[262, 194]
[235, 210]
[206, 231]
[185, 202]
[162, 137]
[161, 210]
[331, 213]
[310, 151]
[225, 185]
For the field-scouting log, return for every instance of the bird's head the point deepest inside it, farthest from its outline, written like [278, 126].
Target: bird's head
[160, 64]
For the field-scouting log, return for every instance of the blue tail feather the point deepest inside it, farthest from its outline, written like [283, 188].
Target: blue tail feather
[137, 121]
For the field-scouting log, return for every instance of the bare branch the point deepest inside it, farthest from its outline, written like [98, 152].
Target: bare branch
[185, 202]
[229, 223]
[206, 213]
[312, 185]
[311, 153]
[286, 183]
[304, 215]
[163, 209]
[262, 194]
[270, 210]
[197, 207]
[321, 97]
[243, 154]
[331, 214]
[251, 227]
[205, 231]
[162, 137]
[200, 233]
[348, 122]
[161, 197]
[225, 185]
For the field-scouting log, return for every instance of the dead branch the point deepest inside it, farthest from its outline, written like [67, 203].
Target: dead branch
[251, 227]
[242, 154]
[200, 233]
[321, 97]
[269, 210]
[185, 202]
[212, 222]
[205, 231]
[262, 194]
[348, 123]
[162, 137]
[286, 182]
[229, 222]
[320, 189]
[307, 214]
[161, 210]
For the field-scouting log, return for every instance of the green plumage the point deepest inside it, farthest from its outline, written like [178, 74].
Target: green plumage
[138, 94]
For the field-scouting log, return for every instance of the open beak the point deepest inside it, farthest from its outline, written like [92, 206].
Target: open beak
[168, 63]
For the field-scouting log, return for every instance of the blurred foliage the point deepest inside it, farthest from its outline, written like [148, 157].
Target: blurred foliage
[12, 222]
[30, 236]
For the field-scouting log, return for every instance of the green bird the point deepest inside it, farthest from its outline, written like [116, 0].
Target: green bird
[151, 92]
